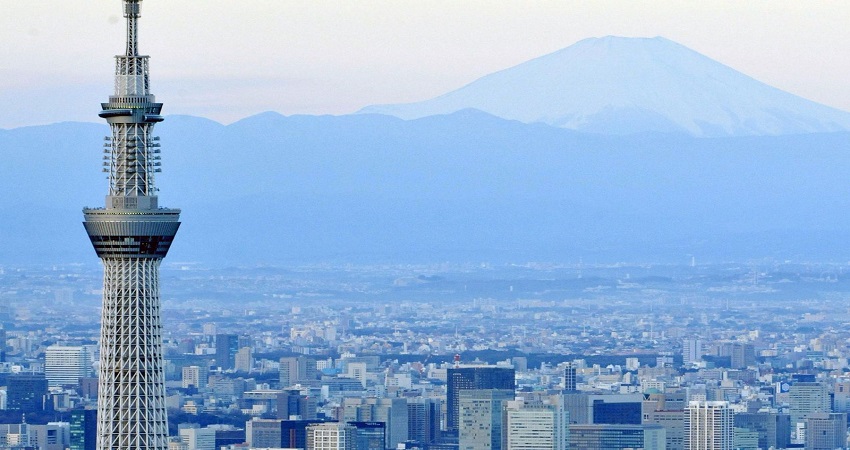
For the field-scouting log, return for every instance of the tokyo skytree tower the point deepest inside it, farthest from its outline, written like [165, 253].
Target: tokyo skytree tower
[131, 235]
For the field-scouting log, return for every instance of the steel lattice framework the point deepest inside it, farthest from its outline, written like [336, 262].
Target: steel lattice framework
[131, 235]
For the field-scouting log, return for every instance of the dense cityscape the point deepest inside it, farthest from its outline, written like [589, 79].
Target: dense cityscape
[143, 353]
[578, 356]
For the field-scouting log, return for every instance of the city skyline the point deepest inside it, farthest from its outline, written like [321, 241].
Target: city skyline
[328, 58]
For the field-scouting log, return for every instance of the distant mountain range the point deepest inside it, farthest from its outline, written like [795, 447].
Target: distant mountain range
[463, 187]
[675, 156]
[616, 85]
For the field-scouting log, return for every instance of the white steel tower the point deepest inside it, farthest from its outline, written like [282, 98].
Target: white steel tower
[131, 235]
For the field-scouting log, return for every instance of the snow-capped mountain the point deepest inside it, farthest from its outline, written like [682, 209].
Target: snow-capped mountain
[616, 85]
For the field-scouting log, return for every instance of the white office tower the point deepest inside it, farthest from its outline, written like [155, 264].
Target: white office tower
[691, 351]
[131, 234]
[480, 426]
[536, 427]
[66, 365]
[195, 437]
[244, 360]
[841, 402]
[806, 398]
[194, 376]
[709, 426]
[331, 436]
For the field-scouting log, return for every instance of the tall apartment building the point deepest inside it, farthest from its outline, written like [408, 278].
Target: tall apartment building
[64, 366]
[709, 425]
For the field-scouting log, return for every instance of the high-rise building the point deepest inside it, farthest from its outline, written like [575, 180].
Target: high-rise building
[570, 377]
[294, 406]
[480, 425]
[423, 420]
[52, 436]
[263, 433]
[668, 410]
[478, 377]
[226, 346]
[841, 400]
[195, 437]
[131, 235]
[616, 412]
[65, 366]
[331, 436]
[297, 369]
[370, 435]
[195, 376]
[743, 355]
[774, 430]
[357, 371]
[691, 350]
[83, 429]
[583, 406]
[2, 344]
[244, 359]
[806, 397]
[26, 392]
[709, 425]
[294, 432]
[391, 411]
[535, 427]
[826, 431]
[608, 436]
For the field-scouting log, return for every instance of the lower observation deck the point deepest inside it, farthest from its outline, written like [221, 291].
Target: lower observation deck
[125, 233]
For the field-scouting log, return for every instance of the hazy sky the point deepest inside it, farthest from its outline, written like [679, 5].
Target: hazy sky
[226, 59]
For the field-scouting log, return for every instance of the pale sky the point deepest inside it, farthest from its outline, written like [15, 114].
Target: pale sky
[227, 60]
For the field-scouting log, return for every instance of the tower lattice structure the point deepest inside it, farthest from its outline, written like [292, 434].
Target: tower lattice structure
[131, 235]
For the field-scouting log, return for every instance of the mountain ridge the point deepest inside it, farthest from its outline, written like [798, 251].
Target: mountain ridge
[616, 85]
[462, 187]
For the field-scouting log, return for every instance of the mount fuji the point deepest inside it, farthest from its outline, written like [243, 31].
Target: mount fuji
[617, 85]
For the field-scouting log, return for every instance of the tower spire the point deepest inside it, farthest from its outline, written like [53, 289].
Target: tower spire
[131, 12]
[131, 234]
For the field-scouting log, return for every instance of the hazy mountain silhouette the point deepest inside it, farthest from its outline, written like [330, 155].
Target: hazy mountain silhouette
[462, 187]
[616, 85]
